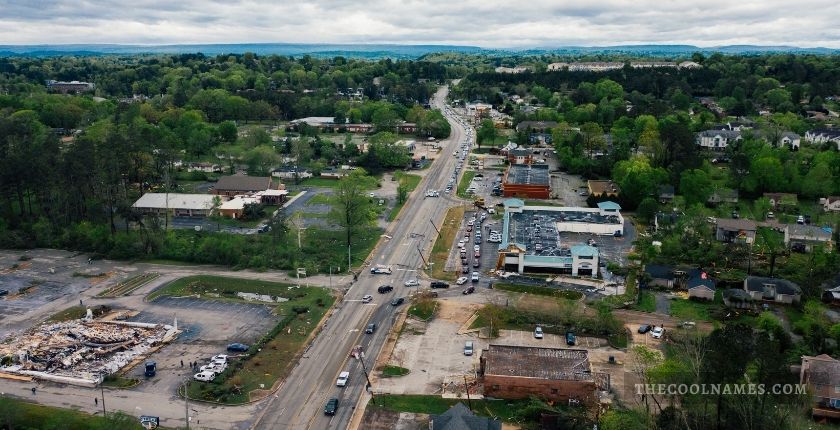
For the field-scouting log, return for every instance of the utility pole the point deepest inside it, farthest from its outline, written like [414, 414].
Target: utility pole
[349, 264]
[187, 403]
[102, 391]
[433, 225]
[364, 369]
[467, 389]
[421, 257]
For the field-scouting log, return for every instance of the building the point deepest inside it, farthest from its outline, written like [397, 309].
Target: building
[358, 128]
[600, 188]
[657, 275]
[235, 207]
[459, 417]
[665, 220]
[538, 131]
[735, 230]
[689, 65]
[666, 193]
[406, 128]
[772, 289]
[723, 195]
[290, 172]
[784, 201]
[272, 197]
[73, 87]
[717, 139]
[790, 139]
[520, 156]
[526, 180]
[531, 237]
[738, 299]
[821, 374]
[831, 204]
[553, 374]
[233, 185]
[803, 238]
[700, 285]
[823, 135]
[831, 296]
[517, 69]
[182, 205]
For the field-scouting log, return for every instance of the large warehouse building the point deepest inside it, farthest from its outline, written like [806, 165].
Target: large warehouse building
[531, 237]
[527, 180]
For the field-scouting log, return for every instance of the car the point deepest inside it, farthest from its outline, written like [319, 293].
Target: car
[367, 298]
[570, 338]
[331, 406]
[438, 284]
[476, 248]
[476, 263]
[644, 328]
[477, 240]
[800, 219]
[412, 283]
[538, 247]
[538, 333]
[205, 376]
[151, 369]
[461, 281]
[343, 377]
[219, 357]
[398, 301]
[461, 243]
[464, 261]
[657, 332]
[371, 195]
[469, 290]
[469, 228]
[735, 215]
[237, 347]
[380, 270]
[465, 269]
[370, 328]
[474, 277]
[4, 293]
[771, 215]
[477, 254]
[384, 289]
[468, 347]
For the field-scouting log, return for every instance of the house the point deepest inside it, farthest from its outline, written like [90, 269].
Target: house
[723, 195]
[717, 139]
[805, 237]
[517, 69]
[832, 296]
[666, 193]
[291, 172]
[772, 289]
[665, 220]
[689, 65]
[600, 188]
[738, 299]
[74, 87]
[735, 230]
[824, 135]
[831, 204]
[657, 275]
[459, 417]
[520, 156]
[181, 205]
[554, 374]
[235, 207]
[538, 131]
[783, 201]
[700, 285]
[821, 374]
[790, 139]
[406, 128]
[527, 180]
[272, 197]
[333, 173]
[233, 185]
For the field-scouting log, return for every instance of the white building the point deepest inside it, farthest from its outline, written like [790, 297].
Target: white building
[823, 135]
[189, 205]
[717, 139]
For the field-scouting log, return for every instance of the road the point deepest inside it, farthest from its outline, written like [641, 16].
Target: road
[300, 401]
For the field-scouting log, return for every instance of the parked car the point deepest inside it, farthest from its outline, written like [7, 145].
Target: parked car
[4, 293]
[476, 263]
[465, 268]
[370, 328]
[438, 284]
[237, 347]
[412, 283]
[538, 333]
[205, 376]
[570, 338]
[331, 406]
[343, 377]
[461, 281]
[469, 290]
[384, 289]
[474, 277]
[380, 270]
[476, 248]
[367, 298]
[657, 332]
[398, 301]
[151, 369]
[468, 347]
[644, 328]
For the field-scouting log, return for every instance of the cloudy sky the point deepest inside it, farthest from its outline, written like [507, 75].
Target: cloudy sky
[485, 23]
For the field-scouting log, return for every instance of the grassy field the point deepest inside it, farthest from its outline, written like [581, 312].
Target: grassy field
[273, 357]
[465, 183]
[410, 182]
[423, 309]
[393, 371]
[647, 302]
[690, 310]
[443, 244]
[328, 183]
[19, 414]
[540, 291]
[116, 381]
[504, 410]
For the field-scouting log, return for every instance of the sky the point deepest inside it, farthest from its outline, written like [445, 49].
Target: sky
[484, 23]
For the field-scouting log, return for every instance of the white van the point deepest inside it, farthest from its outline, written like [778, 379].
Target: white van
[204, 376]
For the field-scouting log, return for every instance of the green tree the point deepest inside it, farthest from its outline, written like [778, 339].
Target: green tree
[695, 186]
[227, 131]
[818, 182]
[647, 209]
[352, 209]
[486, 132]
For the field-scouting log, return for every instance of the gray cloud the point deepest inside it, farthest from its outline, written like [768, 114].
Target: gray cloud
[487, 23]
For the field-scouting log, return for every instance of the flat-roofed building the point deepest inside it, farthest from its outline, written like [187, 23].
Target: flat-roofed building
[188, 205]
[531, 180]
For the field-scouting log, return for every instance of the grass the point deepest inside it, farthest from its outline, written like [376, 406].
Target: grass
[443, 244]
[393, 371]
[72, 313]
[128, 286]
[328, 183]
[273, 357]
[539, 291]
[115, 381]
[21, 414]
[410, 182]
[423, 309]
[465, 183]
[506, 410]
[319, 199]
[690, 310]
[647, 302]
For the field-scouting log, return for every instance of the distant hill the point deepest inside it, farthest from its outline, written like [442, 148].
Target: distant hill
[375, 51]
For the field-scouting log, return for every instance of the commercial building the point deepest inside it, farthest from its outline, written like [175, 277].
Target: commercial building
[531, 237]
[527, 180]
[185, 205]
[555, 374]
[231, 186]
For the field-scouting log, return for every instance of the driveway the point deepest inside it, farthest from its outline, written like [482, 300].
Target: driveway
[663, 304]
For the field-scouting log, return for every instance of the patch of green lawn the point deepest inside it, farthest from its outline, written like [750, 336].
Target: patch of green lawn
[505, 410]
[24, 415]
[393, 371]
[647, 302]
[423, 309]
[690, 310]
[465, 183]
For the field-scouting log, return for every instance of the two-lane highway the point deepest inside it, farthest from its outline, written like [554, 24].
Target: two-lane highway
[299, 404]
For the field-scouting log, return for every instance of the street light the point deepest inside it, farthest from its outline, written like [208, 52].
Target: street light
[186, 401]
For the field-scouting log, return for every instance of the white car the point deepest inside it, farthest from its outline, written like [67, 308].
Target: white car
[367, 298]
[474, 277]
[657, 332]
[380, 270]
[204, 376]
[461, 244]
[461, 281]
[412, 283]
[372, 195]
[222, 357]
[538, 333]
[476, 248]
[343, 377]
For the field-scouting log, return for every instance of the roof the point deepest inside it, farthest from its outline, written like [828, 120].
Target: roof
[728, 134]
[699, 278]
[538, 125]
[601, 187]
[537, 362]
[315, 120]
[658, 271]
[736, 224]
[243, 183]
[822, 370]
[521, 174]
[737, 295]
[582, 250]
[176, 201]
[809, 232]
[609, 206]
[828, 132]
[459, 417]
[783, 286]
[238, 203]
[514, 203]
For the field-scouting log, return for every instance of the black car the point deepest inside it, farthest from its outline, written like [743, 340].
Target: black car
[370, 328]
[570, 338]
[4, 293]
[469, 290]
[237, 347]
[331, 406]
[465, 269]
[398, 301]
[438, 284]
[476, 263]
[384, 289]
[644, 328]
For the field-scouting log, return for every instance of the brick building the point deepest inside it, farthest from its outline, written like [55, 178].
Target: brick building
[232, 186]
[531, 181]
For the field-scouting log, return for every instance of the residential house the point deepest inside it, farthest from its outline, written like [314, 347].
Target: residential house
[175, 204]
[772, 289]
[291, 172]
[735, 230]
[599, 188]
[520, 156]
[74, 87]
[459, 417]
[517, 69]
[783, 201]
[538, 131]
[790, 139]
[803, 238]
[700, 285]
[666, 194]
[554, 374]
[233, 185]
[832, 296]
[738, 299]
[272, 197]
[824, 135]
[821, 374]
[657, 275]
[831, 204]
[723, 195]
[333, 173]
[665, 220]
[717, 139]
